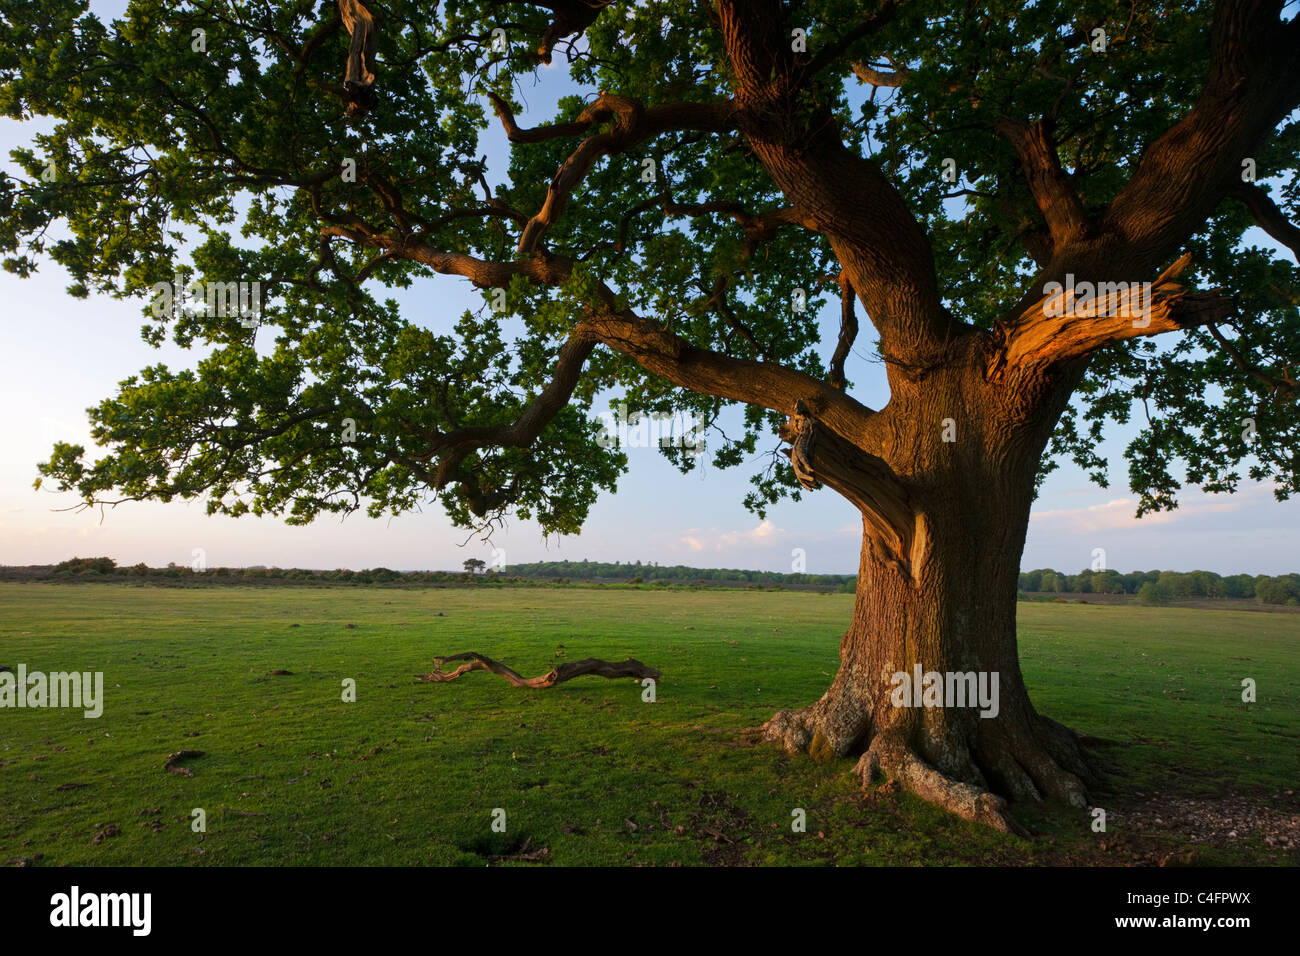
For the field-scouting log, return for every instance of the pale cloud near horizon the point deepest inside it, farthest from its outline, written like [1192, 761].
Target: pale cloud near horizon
[1116, 513]
[712, 539]
[1120, 513]
[766, 542]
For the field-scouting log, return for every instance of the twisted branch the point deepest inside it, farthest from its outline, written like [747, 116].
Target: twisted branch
[558, 675]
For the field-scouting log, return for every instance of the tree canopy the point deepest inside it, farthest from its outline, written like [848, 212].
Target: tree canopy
[642, 242]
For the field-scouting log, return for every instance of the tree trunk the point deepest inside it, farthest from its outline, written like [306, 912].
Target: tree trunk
[943, 531]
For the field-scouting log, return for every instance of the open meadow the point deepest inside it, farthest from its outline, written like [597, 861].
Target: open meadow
[588, 772]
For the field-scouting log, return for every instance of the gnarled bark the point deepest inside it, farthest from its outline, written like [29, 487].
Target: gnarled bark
[944, 523]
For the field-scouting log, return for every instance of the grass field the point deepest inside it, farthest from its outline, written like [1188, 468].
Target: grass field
[588, 773]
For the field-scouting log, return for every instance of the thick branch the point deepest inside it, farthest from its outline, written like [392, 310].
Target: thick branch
[1254, 83]
[536, 134]
[874, 77]
[1268, 215]
[633, 124]
[848, 332]
[758, 227]
[651, 345]
[1048, 183]
[572, 17]
[452, 448]
[819, 456]
[1062, 326]
[562, 672]
[847, 198]
[484, 273]
[764, 384]
[830, 51]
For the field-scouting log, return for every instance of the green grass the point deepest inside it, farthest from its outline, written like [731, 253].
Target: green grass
[411, 772]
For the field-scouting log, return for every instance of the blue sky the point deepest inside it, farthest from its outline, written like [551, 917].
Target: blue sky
[61, 355]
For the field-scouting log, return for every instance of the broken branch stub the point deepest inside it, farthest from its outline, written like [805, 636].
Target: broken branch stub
[359, 82]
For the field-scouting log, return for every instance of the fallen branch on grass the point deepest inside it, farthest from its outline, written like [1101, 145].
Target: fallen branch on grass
[562, 672]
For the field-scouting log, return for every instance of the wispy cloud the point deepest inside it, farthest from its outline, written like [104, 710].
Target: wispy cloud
[714, 539]
[1120, 513]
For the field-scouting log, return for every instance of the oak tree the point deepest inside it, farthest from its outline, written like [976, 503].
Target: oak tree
[985, 189]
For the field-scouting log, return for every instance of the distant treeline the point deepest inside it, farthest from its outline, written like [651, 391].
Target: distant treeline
[1159, 587]
[637, 573]
[549, 572]
[1149, 587]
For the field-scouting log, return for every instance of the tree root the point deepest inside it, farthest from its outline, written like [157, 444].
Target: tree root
[1022, 764]
[890, 754]
[565, 671]
[824, 730]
